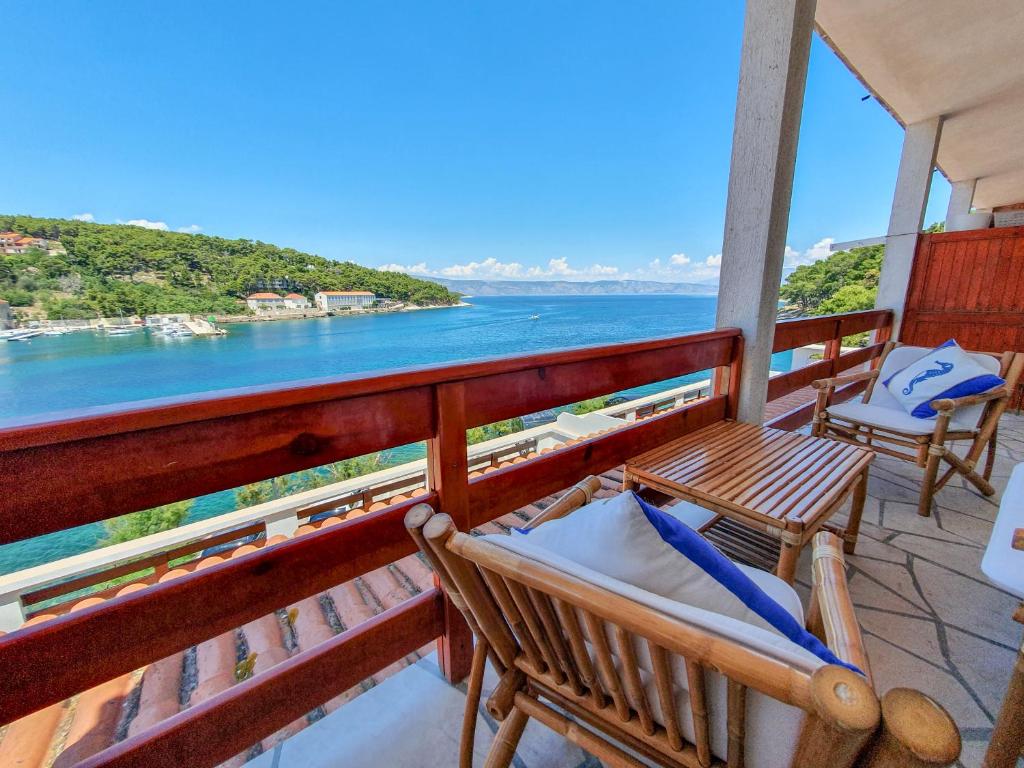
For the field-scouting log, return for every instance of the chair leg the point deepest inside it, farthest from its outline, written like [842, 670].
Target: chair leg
[473, 688]
[860, 494]
[990, 459]
[931, 471]
[506, 740]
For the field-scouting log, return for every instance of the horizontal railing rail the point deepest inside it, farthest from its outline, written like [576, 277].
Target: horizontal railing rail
[87, 468]
[54, 588]
[830, 330]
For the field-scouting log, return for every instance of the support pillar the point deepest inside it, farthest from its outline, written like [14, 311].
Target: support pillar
[961, 197]
[773, 73]
[913, 182]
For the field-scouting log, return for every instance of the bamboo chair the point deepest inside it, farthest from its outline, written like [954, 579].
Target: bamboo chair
[567, 653]
[887, 428]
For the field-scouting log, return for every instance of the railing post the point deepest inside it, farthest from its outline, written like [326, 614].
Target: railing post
[725, 380]
[448, 476]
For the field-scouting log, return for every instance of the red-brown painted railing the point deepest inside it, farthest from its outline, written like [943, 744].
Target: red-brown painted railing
[85, 468]
[830, 329]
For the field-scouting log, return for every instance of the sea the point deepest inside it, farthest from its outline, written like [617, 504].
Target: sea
[48, 375]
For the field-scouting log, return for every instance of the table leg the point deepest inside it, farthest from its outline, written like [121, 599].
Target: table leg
[628, 482]
[860, 494]
[789, 555]
[1007, 742]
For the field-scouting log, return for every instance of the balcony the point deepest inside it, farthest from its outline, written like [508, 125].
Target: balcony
[272, 650]
[317, 636]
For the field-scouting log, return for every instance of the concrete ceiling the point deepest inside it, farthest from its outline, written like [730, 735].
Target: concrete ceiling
[963, 59]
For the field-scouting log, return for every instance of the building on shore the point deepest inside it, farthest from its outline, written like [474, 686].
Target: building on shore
[264, 302]
[329, 301]
[6, 318]
[296, 301]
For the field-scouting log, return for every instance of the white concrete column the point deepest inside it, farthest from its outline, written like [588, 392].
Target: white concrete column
[914, 180]
[961, 197]
[773, 73]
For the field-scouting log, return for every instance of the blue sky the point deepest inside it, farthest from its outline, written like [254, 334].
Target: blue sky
[475, 139]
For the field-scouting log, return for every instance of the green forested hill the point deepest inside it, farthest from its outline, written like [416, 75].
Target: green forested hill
[112, 269]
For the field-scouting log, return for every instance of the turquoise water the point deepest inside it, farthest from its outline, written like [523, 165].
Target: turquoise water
[51, 374]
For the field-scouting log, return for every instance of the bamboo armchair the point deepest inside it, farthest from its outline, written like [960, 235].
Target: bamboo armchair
[568, 653]
[887, 429]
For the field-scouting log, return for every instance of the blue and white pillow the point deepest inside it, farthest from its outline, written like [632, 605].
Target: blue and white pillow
[946, 371]
[628, 539]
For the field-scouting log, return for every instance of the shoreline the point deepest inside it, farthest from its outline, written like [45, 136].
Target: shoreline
[320, 315]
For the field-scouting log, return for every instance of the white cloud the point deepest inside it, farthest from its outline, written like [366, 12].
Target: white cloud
[191, 229]
[488, 268]
[84, 217]
[146, 224]
[816, 252]
[416, 269]
[677, 268]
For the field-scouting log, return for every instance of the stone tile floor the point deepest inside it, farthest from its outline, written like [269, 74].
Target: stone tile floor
[930, 619]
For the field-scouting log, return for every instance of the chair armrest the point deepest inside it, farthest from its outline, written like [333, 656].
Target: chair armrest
[952, 403]
[838, 381]
[580, 494]
[831, 616]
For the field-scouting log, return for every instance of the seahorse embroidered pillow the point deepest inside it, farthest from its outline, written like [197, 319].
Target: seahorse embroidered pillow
[946, 371]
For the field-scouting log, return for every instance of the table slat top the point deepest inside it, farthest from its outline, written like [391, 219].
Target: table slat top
[784, 478]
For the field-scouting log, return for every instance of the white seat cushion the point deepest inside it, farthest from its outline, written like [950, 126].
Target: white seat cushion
[892, 418]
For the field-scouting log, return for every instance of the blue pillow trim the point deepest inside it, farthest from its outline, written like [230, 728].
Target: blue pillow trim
[698, 550]
[974, 386]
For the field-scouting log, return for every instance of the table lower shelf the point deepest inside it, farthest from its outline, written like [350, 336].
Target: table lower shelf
[743, 544]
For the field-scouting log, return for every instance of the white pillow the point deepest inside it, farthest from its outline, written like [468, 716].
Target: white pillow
[629, 540]
[613, 536]
[946, 371]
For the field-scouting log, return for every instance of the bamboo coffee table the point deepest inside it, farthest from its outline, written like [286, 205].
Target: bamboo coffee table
[760, 481]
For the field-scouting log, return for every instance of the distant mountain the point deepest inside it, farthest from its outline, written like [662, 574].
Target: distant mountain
[570, 287]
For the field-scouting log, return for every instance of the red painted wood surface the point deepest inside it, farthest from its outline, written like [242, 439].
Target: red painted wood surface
[146, 456]
[967, 286]
[233, 720]
[178, 448]
[830, 330]
[801, 415]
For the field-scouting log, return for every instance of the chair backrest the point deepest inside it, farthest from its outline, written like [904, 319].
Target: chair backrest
[902, 355]
[660, 677]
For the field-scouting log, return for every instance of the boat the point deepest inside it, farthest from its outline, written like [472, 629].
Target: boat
[120, 330]
[54, 332]
[535, 317]
[20, 334]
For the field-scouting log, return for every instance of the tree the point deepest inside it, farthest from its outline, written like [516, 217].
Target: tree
[587, 406]
[120, 269]
[148, 521]
[491, 431]
[261, 492]
[849, 298]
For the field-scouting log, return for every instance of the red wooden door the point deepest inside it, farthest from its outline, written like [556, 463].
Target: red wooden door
[968, 286]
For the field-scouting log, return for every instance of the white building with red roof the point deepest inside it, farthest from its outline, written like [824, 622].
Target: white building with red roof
[264, 302]
[296, 301]
[332, 300]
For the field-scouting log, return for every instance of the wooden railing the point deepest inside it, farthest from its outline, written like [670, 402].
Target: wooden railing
[830, 330]
[86, 468]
